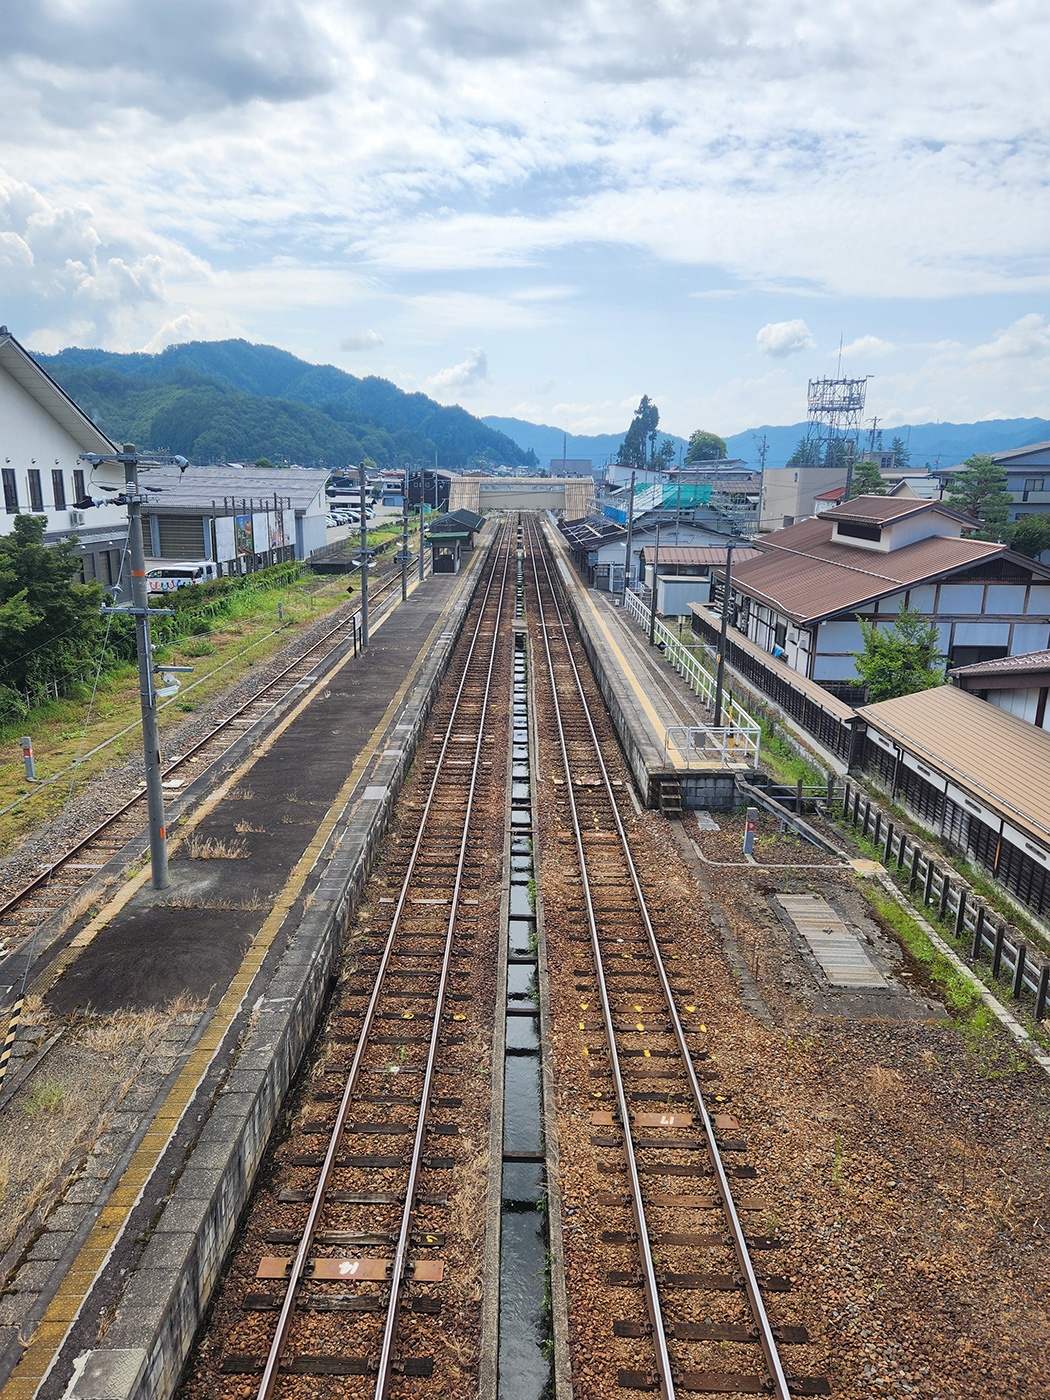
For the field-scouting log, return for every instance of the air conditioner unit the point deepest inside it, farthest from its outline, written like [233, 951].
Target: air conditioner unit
[77, 517]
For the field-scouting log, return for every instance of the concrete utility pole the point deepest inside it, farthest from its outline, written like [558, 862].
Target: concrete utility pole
[652, 600]
[630, 539]
[404, 545]
[363, 560]
[720, 674]
[133, 498]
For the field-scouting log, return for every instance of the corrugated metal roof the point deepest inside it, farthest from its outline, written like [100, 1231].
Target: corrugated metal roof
[802, 573]
[705, 554]
[1028, 662]
[1001, 760]
[198, 487]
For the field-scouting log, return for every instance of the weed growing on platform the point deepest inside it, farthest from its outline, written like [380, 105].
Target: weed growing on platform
[47, 1097]
[212, 849]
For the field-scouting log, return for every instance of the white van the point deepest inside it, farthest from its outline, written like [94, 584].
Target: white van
[165, 577]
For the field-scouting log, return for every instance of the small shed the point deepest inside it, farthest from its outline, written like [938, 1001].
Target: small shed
[464, 523]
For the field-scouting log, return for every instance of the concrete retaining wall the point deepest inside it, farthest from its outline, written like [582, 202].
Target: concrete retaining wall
[152, 1334]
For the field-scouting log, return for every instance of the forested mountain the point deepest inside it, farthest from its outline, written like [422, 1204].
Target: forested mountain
[229, 400]
[939, 444]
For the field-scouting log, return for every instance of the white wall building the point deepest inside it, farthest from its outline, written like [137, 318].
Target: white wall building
[42, 433]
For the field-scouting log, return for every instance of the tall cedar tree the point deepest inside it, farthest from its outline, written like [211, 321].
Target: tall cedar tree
[639, 444]
[901, 659]
[48, 623]
[980, 490]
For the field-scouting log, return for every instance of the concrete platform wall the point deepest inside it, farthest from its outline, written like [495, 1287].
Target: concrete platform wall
[152, 1334]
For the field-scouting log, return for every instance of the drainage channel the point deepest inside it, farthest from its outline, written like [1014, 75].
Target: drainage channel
[525, 1332]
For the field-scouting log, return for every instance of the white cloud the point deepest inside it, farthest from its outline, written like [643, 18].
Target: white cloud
[782, 338]
[1029, 336]
[866, 347]
[362, 340]
[457, 379]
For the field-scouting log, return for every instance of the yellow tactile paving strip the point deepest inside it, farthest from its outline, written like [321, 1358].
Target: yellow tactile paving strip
[675, 760]
[47, 1339]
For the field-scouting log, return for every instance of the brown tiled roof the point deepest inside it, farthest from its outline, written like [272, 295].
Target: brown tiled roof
[1029, 662]
[1001, 760]
[802, 573]
[709, 554]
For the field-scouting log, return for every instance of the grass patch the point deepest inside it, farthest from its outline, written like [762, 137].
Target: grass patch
[782, 761]
[248, 634]
[47, 1097]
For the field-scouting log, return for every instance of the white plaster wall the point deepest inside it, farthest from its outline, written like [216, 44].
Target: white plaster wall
[30, 438]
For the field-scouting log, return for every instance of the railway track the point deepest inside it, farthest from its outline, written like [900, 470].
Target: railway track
[673, 1300]
[370, 1190]
[58, 883]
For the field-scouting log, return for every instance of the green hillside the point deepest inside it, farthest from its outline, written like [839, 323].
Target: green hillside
[231, 401]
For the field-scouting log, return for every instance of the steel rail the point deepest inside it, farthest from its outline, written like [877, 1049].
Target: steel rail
[297, 1266]
[739, 1243]
[664, 1364]
[44, 878]
[401, 1253]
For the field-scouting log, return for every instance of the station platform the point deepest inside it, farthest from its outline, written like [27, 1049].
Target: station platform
[266, 862]
[646, 698]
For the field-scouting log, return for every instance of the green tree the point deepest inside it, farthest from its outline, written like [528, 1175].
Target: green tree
[980, 490]
[706, 447]
[665, 453]
[48, 623]
[901, 659]
[1031, 535]
[806, 454]
[264, 464]
[639, 441]
[901, 455]
[867, 481]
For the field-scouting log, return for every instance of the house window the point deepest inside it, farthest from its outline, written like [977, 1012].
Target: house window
[780, 634]
[1034, 484]
[79, 489]
[36, 493]
[58, 486]
[858, 530]
[10, 491]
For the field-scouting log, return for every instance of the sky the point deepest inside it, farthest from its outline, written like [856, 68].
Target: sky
[546, 210]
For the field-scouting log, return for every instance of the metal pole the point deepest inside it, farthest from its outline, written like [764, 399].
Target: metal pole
[630, 540]
[422, 509]
[652, 600]
[404, 546]
[720, 675]
[158, 836]
[364, 562]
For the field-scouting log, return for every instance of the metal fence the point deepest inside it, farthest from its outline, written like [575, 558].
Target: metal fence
[735, 742]
[974, 922]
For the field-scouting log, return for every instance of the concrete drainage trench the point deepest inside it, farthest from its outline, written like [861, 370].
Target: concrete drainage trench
[525, 1345]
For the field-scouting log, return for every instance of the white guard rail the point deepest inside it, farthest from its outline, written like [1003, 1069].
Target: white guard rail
[735, 743]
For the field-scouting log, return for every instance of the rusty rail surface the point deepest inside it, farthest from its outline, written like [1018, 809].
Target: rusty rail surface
[616, 911]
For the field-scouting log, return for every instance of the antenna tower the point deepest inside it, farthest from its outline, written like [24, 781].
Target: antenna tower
[836, 410]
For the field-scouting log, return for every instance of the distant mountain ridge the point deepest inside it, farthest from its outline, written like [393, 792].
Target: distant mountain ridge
[234, 401]
[939, 444]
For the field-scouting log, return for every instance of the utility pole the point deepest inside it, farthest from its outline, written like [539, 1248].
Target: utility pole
[652, 600]
[630, 539]
[132, 496]
[422, 518]
[720, 675]
[364, 561]
[404, 544]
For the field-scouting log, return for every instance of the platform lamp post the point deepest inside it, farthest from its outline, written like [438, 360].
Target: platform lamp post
[720, 673]
[133, 497]
[363, 560]
[404, 543]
